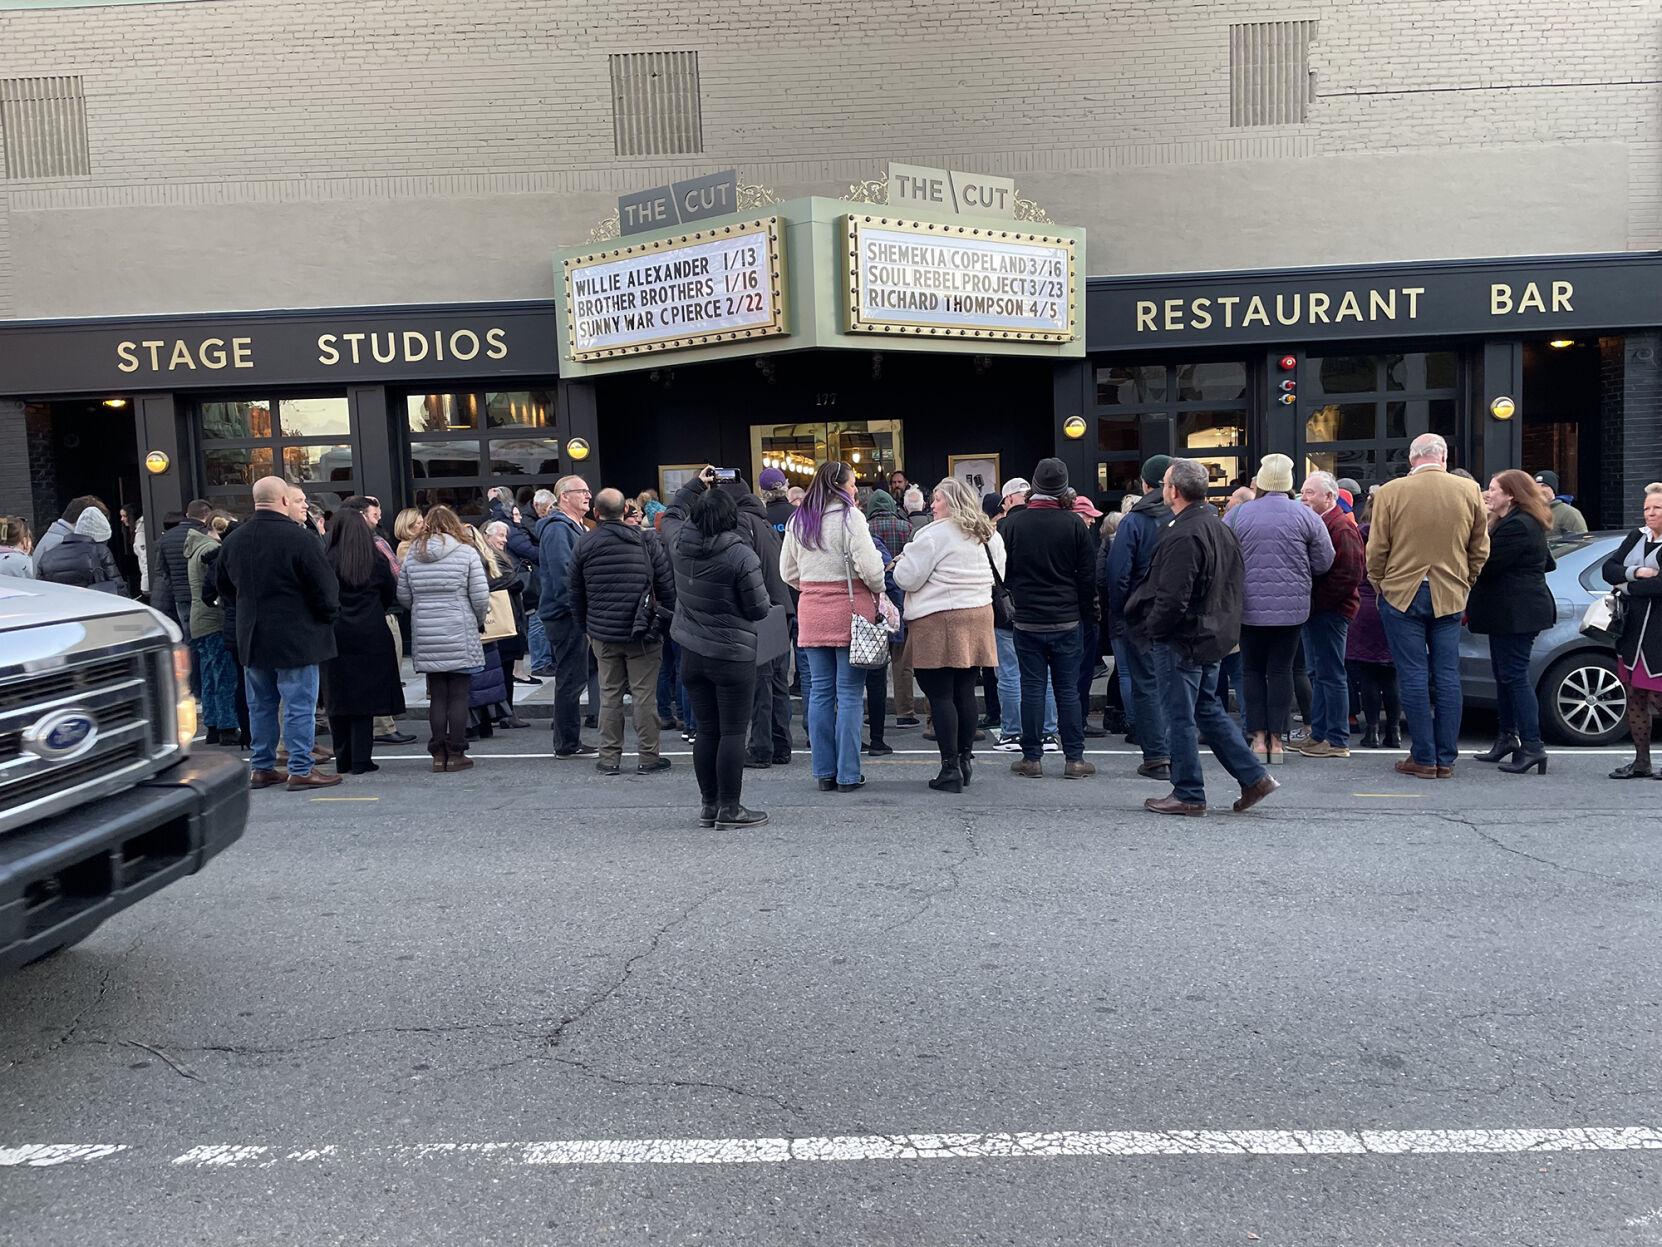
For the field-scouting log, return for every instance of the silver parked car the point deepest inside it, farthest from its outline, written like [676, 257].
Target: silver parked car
[1582, 703]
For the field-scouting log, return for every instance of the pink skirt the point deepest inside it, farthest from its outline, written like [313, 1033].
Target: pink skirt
[1638, 677]
[822, 615]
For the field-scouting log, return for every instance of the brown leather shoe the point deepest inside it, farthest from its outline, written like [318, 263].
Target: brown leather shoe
[1252, 795]
[1445, 772]
[1028, 768]
[320, 754]
[458, 762]
[263, 779]
[1171, 805]
[1410, 767]
[1079, 770]
[317, 779]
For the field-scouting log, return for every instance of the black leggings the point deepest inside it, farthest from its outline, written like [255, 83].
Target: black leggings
[1267, 672]
[1376, 686]
[354, 738]
[877, 702]
[951, 694]
[447, 712]
[722, 693]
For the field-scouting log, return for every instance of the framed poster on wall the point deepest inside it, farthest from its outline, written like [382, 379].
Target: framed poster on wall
[979, 472]
[671, 476]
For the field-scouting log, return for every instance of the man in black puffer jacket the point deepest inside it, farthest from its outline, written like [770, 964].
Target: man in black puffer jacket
[1052, 583]
[612, 569]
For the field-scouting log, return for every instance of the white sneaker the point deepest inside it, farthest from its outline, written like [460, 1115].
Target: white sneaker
[1008, 744]
[1052, 745]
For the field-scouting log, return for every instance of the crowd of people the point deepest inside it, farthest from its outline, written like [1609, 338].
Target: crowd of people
[709, 611]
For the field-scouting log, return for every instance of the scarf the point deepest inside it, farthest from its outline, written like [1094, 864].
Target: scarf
[1044, 502]
[1637, 558]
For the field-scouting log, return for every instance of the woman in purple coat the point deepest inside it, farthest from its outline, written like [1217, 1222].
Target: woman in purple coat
[1373, 674]
[1285, 546]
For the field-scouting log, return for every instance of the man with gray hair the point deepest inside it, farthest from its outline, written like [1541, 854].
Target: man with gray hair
[1428, 542]
[1187, 610]
[1334, 601]
[557, 536]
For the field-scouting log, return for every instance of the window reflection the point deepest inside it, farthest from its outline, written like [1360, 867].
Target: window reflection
[1129, 387]
[1211, 383]
[444, 458]
[1349, 374]
[314, 417]
[1342, 422]
[1118, 435]
[231, 421]
[524, 457]
[519, 409]
[240, 466]
[1210, 430]
[317, 463]
[441, 413]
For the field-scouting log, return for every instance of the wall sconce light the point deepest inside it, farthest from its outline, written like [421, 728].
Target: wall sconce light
[577, 449]
[1503, 408]
[1073, 428]
[156, 462]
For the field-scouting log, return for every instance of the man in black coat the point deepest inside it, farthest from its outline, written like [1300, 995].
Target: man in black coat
[172, 595]
[272, 572]
[1051, 576]
[1189, 605]
[613, 568]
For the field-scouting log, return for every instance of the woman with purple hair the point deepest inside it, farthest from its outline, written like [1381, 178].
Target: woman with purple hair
[828, 546]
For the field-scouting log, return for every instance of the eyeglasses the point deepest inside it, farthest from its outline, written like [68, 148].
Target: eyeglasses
[584, 492]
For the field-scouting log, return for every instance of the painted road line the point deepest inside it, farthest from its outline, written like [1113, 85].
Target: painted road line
[1014, 1145]
[1388, 796]
[346, 798]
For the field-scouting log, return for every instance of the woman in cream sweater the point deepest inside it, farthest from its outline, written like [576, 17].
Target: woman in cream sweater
[946, 571]
[827, 545]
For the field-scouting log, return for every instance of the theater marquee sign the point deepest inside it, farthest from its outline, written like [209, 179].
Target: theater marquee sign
[723, 284]
[959, 281]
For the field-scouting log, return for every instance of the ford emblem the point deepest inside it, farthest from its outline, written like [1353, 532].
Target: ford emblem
[61, 735]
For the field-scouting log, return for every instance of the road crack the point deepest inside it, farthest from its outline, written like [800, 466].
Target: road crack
[953, 881]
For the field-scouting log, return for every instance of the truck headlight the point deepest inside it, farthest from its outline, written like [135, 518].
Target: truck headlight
[184, 705]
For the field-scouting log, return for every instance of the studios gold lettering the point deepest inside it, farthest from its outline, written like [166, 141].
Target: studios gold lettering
[1299, 307]
[411, 346]
[172, 355]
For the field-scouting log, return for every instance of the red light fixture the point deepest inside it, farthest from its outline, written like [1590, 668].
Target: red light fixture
[1289, 362]
[1288, 386]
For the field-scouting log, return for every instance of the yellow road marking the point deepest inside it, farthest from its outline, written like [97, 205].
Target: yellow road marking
[1388, 796]
[346, 798]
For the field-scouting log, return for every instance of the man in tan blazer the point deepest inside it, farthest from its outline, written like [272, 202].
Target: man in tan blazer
[1428, 542]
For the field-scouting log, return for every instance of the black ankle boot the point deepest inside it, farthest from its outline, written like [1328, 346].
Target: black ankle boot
[1393, 736]
[966, 767]
[730, 817]
[951, 779]
[1527, 758]
[212, 738]
[1504, 747]
[707, 815]
[1370, 738]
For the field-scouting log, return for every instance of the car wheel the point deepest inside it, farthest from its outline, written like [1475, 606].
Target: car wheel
[1582, 702]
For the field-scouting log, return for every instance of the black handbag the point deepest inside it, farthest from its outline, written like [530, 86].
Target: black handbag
[1004, 614]
[648, 628]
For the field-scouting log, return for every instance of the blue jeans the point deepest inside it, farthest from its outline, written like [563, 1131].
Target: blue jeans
[1515, 702]
[1089, 637]
[571, 677]
[834, 698]
[667, 670]
[1426, 650]
[1148, 715]
[536, 636]
[219, 680]
[1324, 652]
[1122, 673]
[1056, 655]
[1009, 689]
[296, 689]
[1194, 711]
[1232, 675]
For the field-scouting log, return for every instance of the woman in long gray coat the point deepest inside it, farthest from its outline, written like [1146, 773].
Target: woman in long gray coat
[443, 583]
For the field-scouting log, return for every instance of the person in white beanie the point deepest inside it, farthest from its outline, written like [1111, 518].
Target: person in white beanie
[83, 557]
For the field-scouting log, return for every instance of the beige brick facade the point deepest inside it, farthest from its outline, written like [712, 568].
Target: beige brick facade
[281, 153]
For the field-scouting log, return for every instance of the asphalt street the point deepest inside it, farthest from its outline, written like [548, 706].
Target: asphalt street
[350, 1027]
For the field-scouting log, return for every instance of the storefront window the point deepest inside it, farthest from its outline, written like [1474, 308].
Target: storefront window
[1201, 406]
[873, 448]
[463, 444]
[1365, 410]
[305, 439]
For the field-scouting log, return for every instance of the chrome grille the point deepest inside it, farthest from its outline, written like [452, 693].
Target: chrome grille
[125, 694]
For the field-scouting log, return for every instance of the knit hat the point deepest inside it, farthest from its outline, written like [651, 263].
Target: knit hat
[991, 505]
[1015, 485]
[1275, 475]
[1549, 479]
[93, 523]
[1050, 477]
[771, 478]
[1154, 470]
